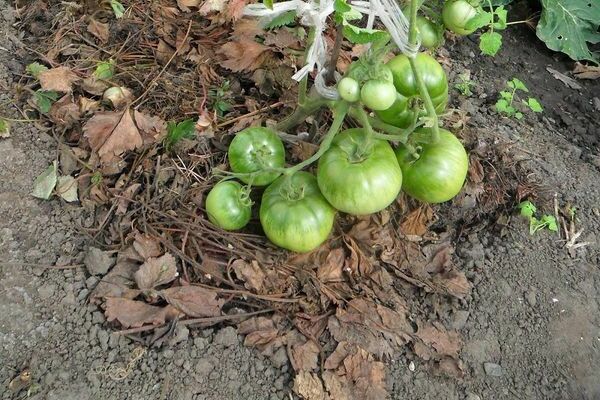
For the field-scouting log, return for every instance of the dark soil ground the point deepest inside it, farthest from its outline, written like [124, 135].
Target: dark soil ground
[531, 326]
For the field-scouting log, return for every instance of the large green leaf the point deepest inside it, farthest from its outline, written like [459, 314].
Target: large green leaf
[567, 26]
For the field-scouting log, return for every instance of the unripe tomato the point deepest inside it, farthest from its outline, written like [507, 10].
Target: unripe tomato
[228, 205]
[430, 34]
[440, 171]
[378, 94]
[253, 150]
[456, 14]
[349, 90]
[294, 214]
[356, 178]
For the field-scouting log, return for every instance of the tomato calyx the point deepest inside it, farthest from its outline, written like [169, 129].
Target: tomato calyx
[244, 196]
[291, 192]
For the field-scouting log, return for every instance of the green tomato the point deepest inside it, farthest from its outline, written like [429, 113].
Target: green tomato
[294, 214]
[440, 171]
[228, 205]
[378, 94]
[434, 76]
[430, 34]
[253, 150]
[456, 14]
[349, 90]
[357, 177]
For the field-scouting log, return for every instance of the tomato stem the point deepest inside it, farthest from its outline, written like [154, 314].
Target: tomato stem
[310, 105]
[303, 87]
[340, 111]
[412, 37]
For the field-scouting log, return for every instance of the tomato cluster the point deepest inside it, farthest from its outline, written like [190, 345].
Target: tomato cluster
[358, 171]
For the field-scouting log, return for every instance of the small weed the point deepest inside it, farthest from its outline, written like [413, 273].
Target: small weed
[219, 97]
[118, 8]
[506, 102]
[528, 210]
[178, 131]
[105, 69]
[465, 84]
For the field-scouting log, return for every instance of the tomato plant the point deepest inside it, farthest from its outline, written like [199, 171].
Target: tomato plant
[294, 214]
[358, 175]
[253, 152]
[439, 172]
[228, 205]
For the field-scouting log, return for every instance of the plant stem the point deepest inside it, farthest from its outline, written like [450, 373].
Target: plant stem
[303, 88]
[340, 112]
[310, 106]
[412, 37]
[335, 54]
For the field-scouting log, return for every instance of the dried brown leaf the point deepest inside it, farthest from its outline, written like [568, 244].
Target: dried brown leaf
[65, 112]
[164, 51]
[282, 39]
[118, 282]
[331, 269]
[367, 376]
[251, 273]
[156, 271]
[451, 367]
[242, 55]
[133, 314]
[111, 134]
[151, 128]
[185, 5]
[439, 340]
[338, 386]
[98, 29]
[583, 71]
[308, 386]
[303, 150]
[247, 28]
[417, 221]
[59, 79]
[146, 245]
[235, 9]
[305, 357]
[262, 333]
[194, 301]
[126, 197]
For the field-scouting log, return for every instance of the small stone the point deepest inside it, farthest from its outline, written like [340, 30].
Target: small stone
[98, 262]
[492, 369]
[180, 335]
[46, 291]
[91, 282]
[531, 298]
[460, 319]
[203, 368]
[103, 339]
[226, 337]
[97, 317]
[280, 358]
[411, 366]
[472, 396]
[168, 353]
[200, 343]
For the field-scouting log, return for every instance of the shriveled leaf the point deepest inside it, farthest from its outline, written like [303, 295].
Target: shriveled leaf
[242, 55]
[235, 9]
[417, 221]
[98, 29]
[331, 269]
[146, 245]
[58, 79]
[152, 128]
[569, 82]
[583, 71]
[67, 188]
[185, 5]
[44, 184]
[262, 333]
[568, 25]
[194, 301]
[118, 282]
[438, 341]
[105, 69]
[65, 112]
[251, 273]
[308, 386]
[156, 271]
[111, 134]
[133, 314]
[210, 6]
[338, 386]
[366, 375]
[304, 357]
[118, 96]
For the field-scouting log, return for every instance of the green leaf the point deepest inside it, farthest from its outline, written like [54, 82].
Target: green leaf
[35, 69]
[508, 96]
[281, 20]
[175, 132]
[268, 4]
[341, 6]
[4, 128]
[517, 84]
[490, 42]
[567, 26]
[550, 222]
[519, 115]
[501, 105]
[105, 69]
[534, 105]
[44, 99]
[480, 20]
[527, 208]
[358, 35]
[502, 15]
[496, 3]
[44, 184]
[117, 8]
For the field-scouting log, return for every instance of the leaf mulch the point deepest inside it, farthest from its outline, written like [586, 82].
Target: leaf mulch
[383, 285]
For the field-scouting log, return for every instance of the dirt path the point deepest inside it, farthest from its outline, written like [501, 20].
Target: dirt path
[531, 327]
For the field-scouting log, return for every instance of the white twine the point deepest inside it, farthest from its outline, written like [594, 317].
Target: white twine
[315, 14]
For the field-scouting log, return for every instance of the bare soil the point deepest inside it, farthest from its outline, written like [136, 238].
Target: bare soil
[533, 311]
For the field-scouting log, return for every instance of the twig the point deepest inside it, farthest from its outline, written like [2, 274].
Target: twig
[335, 54]
[164, 68]
[556, 213]
[195, 321]
[234, 120]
